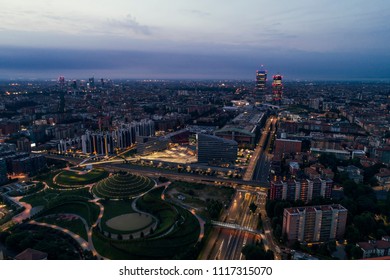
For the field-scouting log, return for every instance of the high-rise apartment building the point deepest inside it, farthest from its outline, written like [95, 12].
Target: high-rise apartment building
[305, 190]
[104, 143]
[126, 134]
[315, 223]
[98, 143]
[215, 150]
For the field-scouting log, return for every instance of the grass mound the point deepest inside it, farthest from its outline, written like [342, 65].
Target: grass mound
[123, 186]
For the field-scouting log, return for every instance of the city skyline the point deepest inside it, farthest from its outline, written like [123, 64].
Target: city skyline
[195, 40]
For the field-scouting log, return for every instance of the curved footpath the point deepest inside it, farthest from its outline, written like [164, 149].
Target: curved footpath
[89, 231]
[86, 245]
[78, 238]
[200, 220]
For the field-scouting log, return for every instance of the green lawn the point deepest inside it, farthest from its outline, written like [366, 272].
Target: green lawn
[166, 213]
[198, 195]
[72, 178]
[89, 211]
[184, 235]
[75, 225]
[114, 208]
[48, 195]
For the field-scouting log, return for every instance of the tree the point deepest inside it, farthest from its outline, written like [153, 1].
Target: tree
[352, 234]
[365, 223]
[278, 231]
[253, 207]
[257, 252]
[353, 252]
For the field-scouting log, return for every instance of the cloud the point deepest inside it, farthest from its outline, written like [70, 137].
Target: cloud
[49, 63]
[129, 23]
[198, 13]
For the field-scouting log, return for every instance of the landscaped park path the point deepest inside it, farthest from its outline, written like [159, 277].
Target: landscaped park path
[193, 212]
[78, 238]
[29, 211]
[89, 231]
[86, 245]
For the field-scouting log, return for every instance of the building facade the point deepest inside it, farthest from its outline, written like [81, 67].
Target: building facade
[277, 88]
[305, 190]
[261, 80]
[98, 143]
[215, 150]
[315, 223]
[286, 146]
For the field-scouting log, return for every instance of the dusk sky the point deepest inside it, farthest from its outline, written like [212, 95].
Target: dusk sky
[214, 39]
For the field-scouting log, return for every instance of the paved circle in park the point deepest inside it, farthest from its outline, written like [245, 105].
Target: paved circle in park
[130, 222]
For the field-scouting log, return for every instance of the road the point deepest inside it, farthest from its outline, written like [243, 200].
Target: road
[173, 175]
[263, 165]
[262, 168]
[227, 244]
[258, 153]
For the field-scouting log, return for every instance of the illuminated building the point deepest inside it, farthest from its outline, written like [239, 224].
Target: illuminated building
[215, 150]
[277, 88]
[127, 134]
[261, 80]
[315, 223]
[106, 142]
[99, 143]
[304, 190]
[91, 83]
[61, 81]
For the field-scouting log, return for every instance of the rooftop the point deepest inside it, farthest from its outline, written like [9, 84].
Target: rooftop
[31, 254]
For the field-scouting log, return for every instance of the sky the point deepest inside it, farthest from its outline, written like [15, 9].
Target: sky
[213, 39]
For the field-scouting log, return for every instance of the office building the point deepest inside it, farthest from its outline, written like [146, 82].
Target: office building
[147, 144]
[261, 80]
[315, 223]
[277, 88]
[215, 150]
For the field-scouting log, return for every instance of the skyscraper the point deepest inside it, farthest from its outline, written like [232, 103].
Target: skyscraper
[261, 80]
[277, 88]
[61, 81]
[91, 83]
